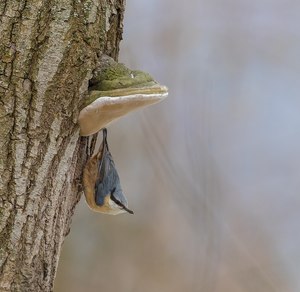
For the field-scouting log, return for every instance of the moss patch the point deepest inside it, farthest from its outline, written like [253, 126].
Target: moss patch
[118, 76]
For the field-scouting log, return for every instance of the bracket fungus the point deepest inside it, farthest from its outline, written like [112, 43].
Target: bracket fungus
[115, 91]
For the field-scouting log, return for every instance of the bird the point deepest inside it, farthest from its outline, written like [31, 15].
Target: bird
[101, 183]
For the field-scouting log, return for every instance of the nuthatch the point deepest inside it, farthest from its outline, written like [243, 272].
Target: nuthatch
[102, 183]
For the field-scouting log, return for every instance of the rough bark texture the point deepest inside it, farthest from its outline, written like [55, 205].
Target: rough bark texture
[48, 51]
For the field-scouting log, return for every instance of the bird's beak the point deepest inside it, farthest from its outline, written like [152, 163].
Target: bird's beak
[128, 210]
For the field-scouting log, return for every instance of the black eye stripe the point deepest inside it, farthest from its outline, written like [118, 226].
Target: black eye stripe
[114, 199]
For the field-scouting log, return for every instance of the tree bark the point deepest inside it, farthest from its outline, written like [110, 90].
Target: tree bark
[48, 51]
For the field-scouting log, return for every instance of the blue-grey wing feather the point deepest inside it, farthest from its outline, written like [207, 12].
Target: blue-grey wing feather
[108, 178]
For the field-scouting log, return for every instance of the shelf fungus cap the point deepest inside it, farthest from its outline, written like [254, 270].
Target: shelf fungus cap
[115, 91]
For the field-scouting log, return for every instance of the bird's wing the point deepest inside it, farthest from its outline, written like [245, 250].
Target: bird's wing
[107, 178]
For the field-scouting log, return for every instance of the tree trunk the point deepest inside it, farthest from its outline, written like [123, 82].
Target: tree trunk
[48, 51]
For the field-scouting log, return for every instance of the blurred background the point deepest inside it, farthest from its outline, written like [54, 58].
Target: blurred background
[213, 172]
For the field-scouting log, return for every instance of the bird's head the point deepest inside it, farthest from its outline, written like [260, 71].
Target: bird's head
[113, 203]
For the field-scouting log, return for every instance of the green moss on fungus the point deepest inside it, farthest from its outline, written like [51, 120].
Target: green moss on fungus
[115, 79]
[118, 76]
